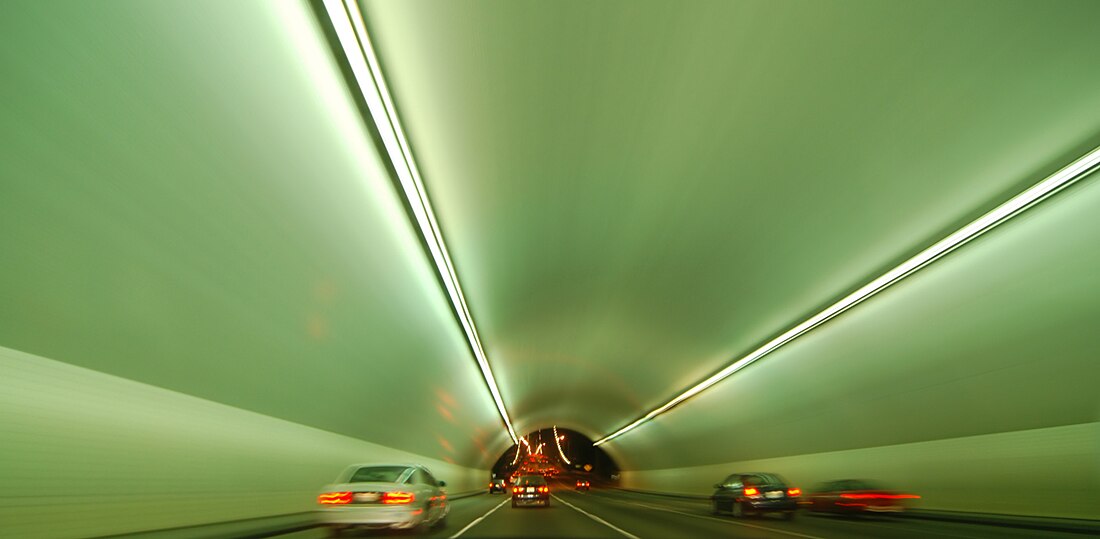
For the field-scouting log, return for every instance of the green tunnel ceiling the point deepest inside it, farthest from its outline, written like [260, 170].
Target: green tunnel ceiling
[633, 194]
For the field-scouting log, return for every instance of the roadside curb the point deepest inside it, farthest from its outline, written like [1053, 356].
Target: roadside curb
[466, 494]
[247, 528]
[1074, 525]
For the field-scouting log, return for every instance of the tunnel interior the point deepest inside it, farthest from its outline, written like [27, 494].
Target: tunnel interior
[217, 282]
[572, 454]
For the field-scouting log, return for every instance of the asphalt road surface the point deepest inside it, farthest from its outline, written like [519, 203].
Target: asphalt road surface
[615, 514]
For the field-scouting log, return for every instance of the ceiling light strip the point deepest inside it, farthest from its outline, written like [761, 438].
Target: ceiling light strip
[1033, 195]
[347, 21]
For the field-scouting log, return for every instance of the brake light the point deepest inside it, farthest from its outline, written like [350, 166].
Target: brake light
[880, 496]
[517, 489]
[334, 498]
[397, 497]
[751, 491]
[544, 489]
[794, 492]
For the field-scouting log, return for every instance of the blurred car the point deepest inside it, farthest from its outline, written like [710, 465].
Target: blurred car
[854, 496]
[531, 489]
[583, 485]
[497, 485]
[372, 496]
[745, 494]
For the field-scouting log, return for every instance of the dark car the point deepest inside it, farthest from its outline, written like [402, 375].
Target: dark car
[745, 494]
[856, 496]
[583, 485]
[531, 490]
[497, 485]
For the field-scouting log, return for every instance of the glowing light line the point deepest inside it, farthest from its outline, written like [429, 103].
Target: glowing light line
[351, 32]
[519, 447]
[1052, 184]
[557, 441]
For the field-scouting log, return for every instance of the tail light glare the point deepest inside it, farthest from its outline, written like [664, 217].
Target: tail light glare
[794, 492]
[334, 498]
[544, 489]
[752, 491]
[392, 498]
[880, 496]
[517, 489]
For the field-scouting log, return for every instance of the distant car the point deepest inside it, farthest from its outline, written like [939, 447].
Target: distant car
[583, 485]
[373, 496]
[531, 489]
[854, 496]
[745, 494]
[497, 485]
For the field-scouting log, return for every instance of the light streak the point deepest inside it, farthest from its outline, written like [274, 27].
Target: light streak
[557, 441]
[351, 31]
[1014, 206]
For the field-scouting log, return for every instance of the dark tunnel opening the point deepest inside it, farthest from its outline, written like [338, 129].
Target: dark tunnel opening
[570, 455]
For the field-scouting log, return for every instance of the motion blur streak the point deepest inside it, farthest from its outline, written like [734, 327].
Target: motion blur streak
[1065, 177]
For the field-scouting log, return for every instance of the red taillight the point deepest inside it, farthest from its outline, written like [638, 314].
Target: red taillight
[544, 489]
[334, 498]
[397, 497]
[880, 496]
[751, 491]
[794, 492]
[517, 489]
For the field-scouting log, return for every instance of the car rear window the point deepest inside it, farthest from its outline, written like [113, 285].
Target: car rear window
[857, 484]
[377, 474]
[532, 480]
[762, 480]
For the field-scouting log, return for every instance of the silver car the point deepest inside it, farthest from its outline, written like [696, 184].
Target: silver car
[372, 496]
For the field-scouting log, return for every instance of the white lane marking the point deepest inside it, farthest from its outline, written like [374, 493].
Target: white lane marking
[479, 519]
[785, 532]
[596, 518]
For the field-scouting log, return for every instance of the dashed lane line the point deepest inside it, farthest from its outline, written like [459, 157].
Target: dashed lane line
[596, 518]
[765, 528]
[479, 519]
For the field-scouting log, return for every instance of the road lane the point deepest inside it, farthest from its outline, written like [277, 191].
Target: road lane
[658, 516]
[610, 513]
[649, 520]
[463, 512]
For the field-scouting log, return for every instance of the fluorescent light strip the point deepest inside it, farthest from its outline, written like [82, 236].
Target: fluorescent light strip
[347, 21]
[1036, 193]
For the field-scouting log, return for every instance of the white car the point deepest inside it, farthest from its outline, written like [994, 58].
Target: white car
[372, 496]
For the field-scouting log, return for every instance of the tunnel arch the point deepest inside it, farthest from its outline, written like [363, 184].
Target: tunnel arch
[577, 448]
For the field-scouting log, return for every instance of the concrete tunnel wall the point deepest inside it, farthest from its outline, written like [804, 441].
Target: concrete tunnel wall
[86, 454]
[1009, 473]
[971, 383]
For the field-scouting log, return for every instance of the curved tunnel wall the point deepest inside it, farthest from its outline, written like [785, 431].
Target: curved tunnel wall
[972, 382]
[215, 260]
[210, 288]
[141, 458]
